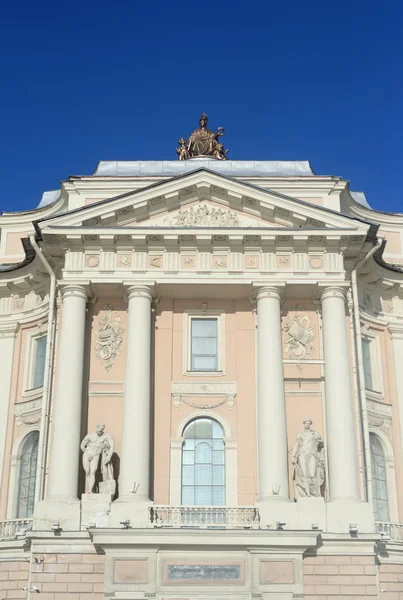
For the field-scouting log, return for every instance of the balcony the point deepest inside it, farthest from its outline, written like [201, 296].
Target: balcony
[204, 517]
[392, 531]
[13, 528]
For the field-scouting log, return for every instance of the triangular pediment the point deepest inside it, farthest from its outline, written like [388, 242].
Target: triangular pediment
[203, 199]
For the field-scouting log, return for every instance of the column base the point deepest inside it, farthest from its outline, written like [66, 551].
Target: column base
[64, 510]
[134, 510]
[95, 509]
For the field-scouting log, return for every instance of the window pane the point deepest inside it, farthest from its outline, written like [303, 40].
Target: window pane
[217, 430]
[203, 454]
[218, 475]
[188, 475]
[204, 327]
[218, 458]
[204, 429]
[203, 470]
[204, 346]
[204, 363]
[189, 444]
[204, 496]
[203, 474]
[379, 480]
[188, 458]
[218, 496]
[27, 476]
[188, 495]
[39, 367]
[366, 359]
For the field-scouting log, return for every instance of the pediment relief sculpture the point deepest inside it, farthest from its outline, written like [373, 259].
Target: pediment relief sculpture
[308, 458]
[204, 215]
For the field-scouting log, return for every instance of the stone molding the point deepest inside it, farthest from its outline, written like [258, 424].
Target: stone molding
[182, 391]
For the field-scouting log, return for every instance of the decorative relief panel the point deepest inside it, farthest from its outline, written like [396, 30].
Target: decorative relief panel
[220, 262]
[155, 262]
[124, 261]
[204, 215]
[28, 413]
[316, 262]
[109, 337]
[379, 414]
[251, 261]
[188, 262]
[91, 261]
[182, 392]
[283, 261]
[300, 336]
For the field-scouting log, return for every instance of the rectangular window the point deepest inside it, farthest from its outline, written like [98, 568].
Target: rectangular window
[39, 365]
[366, 357]
[204, 347]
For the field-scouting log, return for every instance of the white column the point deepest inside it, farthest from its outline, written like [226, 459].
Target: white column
[135, 450]
[66, 421]
[397, 342]
[272, 430]
[341, 442]
[7, 337]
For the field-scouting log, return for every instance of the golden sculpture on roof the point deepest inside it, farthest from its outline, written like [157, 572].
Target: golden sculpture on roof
[202, 142]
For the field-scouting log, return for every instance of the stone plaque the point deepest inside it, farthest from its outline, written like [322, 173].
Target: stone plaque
[204, 572]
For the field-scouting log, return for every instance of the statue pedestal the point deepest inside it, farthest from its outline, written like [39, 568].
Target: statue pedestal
[311, 511]
[95, 509]
[64, 510]
[136, 510]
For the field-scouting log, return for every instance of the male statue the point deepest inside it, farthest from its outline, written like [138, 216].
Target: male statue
[94, 446]
[308, 458]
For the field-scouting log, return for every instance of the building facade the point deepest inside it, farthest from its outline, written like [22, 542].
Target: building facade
[201, 386]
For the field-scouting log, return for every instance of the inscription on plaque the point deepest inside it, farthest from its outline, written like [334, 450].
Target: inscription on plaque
[204, 572]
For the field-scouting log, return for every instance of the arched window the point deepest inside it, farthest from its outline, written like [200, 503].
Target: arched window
[27, 475]
[379, 479]
[203, 464]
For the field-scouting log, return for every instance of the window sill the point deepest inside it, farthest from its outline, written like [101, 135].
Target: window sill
[204, 373]
[35, 392]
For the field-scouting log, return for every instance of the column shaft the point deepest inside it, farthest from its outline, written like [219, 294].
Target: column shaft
[66, 421]
[341, 442]
[135, 451]
[272, 430]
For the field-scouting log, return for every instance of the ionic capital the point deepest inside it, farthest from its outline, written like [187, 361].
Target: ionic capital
[334, 291]
[269, 291]
[75, 290]
[139, 291]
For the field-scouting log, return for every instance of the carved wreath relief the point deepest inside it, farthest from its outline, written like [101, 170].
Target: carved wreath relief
[109, 338]
[299, 343]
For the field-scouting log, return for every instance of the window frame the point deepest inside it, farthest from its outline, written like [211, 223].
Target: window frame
[189, 315]
[30, 360]
[375, 360]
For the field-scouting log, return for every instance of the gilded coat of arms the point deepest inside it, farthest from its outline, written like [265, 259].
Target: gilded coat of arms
[109, 338]
[299, 343]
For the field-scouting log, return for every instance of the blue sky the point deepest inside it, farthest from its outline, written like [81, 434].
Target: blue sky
[89, 81]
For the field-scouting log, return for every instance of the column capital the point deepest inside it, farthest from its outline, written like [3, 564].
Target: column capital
[75, 290]
[396, 331]
[270, 291]
[334, 291]
[138, 291]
